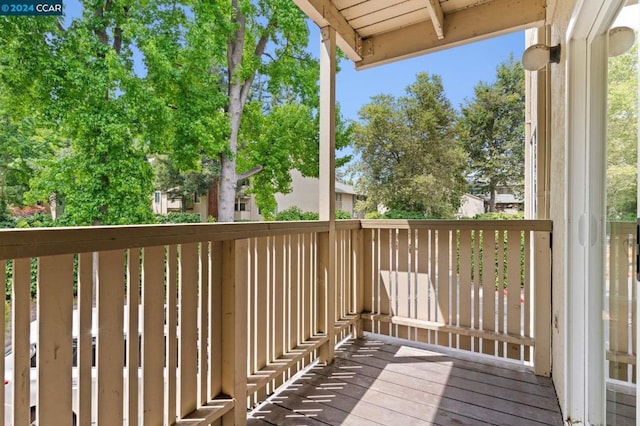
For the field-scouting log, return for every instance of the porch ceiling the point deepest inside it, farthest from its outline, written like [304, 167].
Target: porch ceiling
[374, 32]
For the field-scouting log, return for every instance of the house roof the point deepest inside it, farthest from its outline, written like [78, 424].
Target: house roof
[374, 32]
[507, 199]
[343, 188]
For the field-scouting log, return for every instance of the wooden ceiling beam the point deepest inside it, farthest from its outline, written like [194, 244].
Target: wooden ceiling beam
[437, 17]
[486, 20]
[325, 13]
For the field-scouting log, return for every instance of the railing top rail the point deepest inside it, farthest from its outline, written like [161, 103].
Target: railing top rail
[522, 225]
[20, 243]
[344, 224]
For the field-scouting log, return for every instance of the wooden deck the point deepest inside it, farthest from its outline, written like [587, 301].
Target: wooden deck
[621, 406]
[380, 380]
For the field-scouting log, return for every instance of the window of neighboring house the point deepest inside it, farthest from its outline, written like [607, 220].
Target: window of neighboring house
[338, 197]
[240, 207]
[157, 197]
[196, 198]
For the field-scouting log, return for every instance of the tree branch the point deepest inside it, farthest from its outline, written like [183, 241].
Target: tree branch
[248, 174]
[258, 52]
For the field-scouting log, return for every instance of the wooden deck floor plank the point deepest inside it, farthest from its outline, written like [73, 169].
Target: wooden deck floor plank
[508, 371]
[454, 388]
[257, 422]
[403, 385]
[377, 406]
[622, 410]
[621, 398]
[335, 410]
[383, 358]
[442, 377]
[332, 410]
[277, 414]
[617, 420]
[400, 397]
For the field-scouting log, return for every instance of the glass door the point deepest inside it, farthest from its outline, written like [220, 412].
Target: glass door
[622, 209]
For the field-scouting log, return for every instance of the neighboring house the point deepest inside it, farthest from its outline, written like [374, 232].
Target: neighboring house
[304, 195]
[470, 206]
[506, 201]
[171, 201]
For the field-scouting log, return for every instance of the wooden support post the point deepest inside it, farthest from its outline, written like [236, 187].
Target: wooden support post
[234, 329]
[542, 303]
[327, 198]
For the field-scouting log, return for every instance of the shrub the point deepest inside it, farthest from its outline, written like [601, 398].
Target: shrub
[295, 213]
[499, 216]
[403, 214]
[177, 217]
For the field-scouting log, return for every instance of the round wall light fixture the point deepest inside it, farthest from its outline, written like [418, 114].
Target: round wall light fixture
[620, 40]
[539, 55]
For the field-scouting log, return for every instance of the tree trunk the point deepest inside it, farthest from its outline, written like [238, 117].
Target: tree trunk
[212, 199]
[228, 178]
[238, 93]
[492, 199]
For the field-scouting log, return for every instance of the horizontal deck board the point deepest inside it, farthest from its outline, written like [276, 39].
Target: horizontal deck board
[428, 365]
[381, 382]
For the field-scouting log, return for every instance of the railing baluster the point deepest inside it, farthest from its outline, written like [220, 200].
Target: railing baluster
[514, 290]
[85, 338]
[360, 268]
[403, 280]
[279, 293]
[465, 265]
[423, 281]
[294, 293]
[501, 288]
[488, 288]
[443, 286]
[110, 341]
[187, 338]
[234, 329]
[54, 350]
[528, 296]
[171, 338]
[153, 339]
[133, 343]
[203, 325]
[20, 325]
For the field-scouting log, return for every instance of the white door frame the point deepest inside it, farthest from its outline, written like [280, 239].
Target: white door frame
[586, 53]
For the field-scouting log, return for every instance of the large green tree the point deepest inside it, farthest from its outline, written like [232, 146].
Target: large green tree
[410, 159]
[203, 65]
[234, 83]
[491, 128]
[82, 78]
[622, 150]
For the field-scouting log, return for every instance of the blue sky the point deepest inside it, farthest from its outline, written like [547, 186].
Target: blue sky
[461, 68]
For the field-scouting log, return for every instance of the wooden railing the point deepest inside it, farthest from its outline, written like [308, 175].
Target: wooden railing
[620, 303]
[225, 313]
[480, 286]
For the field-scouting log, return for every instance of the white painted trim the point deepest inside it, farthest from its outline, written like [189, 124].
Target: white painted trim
[586, 51]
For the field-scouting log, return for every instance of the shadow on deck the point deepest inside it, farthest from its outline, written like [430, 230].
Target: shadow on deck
[381, 380]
